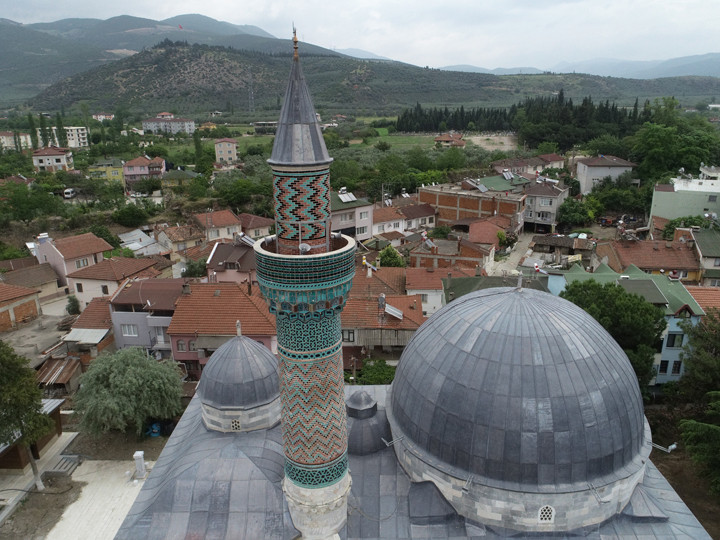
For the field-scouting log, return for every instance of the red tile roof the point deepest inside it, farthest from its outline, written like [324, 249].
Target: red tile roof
[387, 280]
[220, 218]
[73, 247]
[225, 140]
[183, 233]
[213, 308]
[251, 221]
[13, 292]
[415, 211]
[96, 315]
[51, 151]
[543, 189]
[364, 313]
[707, 297]
[203, 251]
[430, 279]
[551, 157]
[161, 293]
[485, 232]
[386, 214]
[654, 255]
[606, 161]
[115, 269]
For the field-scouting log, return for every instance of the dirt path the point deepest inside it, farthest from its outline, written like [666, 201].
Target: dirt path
[495, 141]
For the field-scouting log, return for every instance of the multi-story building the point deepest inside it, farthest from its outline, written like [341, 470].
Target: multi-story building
[226, 151]
[142, 167]
[107, 169]
[67, 255]
[592, 170]
[541, 205]
[167, 123]
[12, 140]
[53, 159]
[219, 224]
[77, 136]
[351, 216]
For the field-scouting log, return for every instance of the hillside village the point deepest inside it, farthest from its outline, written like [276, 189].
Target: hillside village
[111, 252]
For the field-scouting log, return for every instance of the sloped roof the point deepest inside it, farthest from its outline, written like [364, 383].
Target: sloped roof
[114, 269]
[182, 233]
[386, 214]
[251, 221]
[32, 276]
[544, 189]
[16, 264]
[388, 280]
[96, 315]
[430, 279]
[212, 309]
[707, 297]
[219, 218]
[551, 157]
[203, 251]
[415, 211]
[73, 247]
[161, 293]
[392, 235]
[58, 370]
[13, 292]
[242, 255]
[336, 204]
[656, 255]
[364, 313]
[708, 242]
[51, 151]
[140, 161]
[484, 232]
[606, 161]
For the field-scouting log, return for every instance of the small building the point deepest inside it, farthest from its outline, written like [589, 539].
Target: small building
[592, 170]
[108, 169]
[428, 283]
[519, 165]
[387, 219]
[219, 224]
[351, 216]
[17, 305]
[67, 255]
[226, 151]
[232, 262]
[179, 238]
[177, 178]
[91, 333]
[449, 253]
[418, 216]
[53, 159]
[707, 247]
[59, 376]
[256, 226]
[450, 140]
[544, 198]
[140, 243]
[674, 259]
[40, 277]
[142, 167]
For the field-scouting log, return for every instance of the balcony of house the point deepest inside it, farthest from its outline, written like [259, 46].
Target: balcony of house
[154, 320]
[160, 343]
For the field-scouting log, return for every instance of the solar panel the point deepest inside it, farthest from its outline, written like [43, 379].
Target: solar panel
[344, 197]
[507, 175]
[482, 188]
[395, 312]
[351, 197]
[247, 240]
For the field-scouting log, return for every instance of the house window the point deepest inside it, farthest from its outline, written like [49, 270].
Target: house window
[677, 364]
[363, 215]
[78, 287]
[256, 232]
[81, 263]
[396, 225]
[181, 345]
[424, 297]
[191, 345]
[104, 289]
[431, 220]
[528, 213]
[381, 228]
[674, 341]
[715, 282]
[361, 230]
[664, 366]
[683, 274]
[214, 233]
[130, 330]
[348, 216]
[227, 230]
[181, 246]
[717, 261]
[712, 198]
[408, 224]
[348, 335]
[546, 202]
[531, 200]
[423, 221]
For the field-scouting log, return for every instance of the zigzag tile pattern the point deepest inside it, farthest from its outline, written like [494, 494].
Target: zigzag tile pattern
[313, 415]
[302, 198]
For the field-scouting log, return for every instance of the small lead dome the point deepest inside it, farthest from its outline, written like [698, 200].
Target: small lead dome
[522, 390]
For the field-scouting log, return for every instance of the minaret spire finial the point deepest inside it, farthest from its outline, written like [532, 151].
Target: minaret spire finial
[295, 43]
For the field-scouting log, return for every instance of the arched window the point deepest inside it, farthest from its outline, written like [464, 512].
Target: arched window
[181, 345]
[191, 345]
[546, 514]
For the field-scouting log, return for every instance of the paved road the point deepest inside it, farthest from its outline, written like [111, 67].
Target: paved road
[509, 264]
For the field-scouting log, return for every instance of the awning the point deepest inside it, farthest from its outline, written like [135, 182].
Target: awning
[86, 336]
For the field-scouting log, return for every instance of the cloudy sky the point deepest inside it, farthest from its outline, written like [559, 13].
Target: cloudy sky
[484, 33]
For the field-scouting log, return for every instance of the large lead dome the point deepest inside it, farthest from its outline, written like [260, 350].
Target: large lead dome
[519, 389]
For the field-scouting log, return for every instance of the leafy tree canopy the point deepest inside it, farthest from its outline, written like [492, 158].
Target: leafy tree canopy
[195, 269]
[633, 322]
[375, 372]
[703, 440]
[130, 215]
[122, 391]
[686, 221]
[389, 256]
[701, 356]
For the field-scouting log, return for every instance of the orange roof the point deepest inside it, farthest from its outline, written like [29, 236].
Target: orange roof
[364, 313]
[387, 213]
[251, 221]
[182, 233]
[203, 251]
[12, 292]
[707, 297]
[115, 269]
[51, 151]
[140, 161]
[387, 280]
[430, 279]
[484, 232]
[220, 218]
[96, 315]
[656, 255]
[73, 247]
[213, 308]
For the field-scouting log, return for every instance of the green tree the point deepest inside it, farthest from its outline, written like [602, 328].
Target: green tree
[73, 305]
[21, 417]
[389, 256]
[61, 133]
[383, 146]
[44, 131]
[572, 213]
[686, 221]
[634, 323]
[547, 147]
[702, 440]
[131, 215]
[701, 356]
[33, 131]
[375, 372]
[121, 391]
[441, 231]
[195, 269]
[101, 231]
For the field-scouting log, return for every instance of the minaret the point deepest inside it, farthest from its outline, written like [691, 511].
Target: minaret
[305, 274]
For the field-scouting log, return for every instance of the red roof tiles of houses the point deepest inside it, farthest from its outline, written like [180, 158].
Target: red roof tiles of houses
[606, 161]
[115, 269]
[13, 292]
[543, 189]
[549, 158]
[387, 280]
[707, 297]
[485, 232]
[51, 151]
[203, 251]
[652, 255]
[233, 141]
[219, 218]
[183, 233]
[96, 315]
[430, 279]
[415, 211]
[386, 214]
[213, 308]
[251, 221]
[73, 247]
[364, 313]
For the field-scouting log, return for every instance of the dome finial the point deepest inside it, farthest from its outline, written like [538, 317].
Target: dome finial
[295, 43]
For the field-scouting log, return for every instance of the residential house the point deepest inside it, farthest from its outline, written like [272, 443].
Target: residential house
[519, 165]
[428, 284]
[101, 116]
[108, 169]
[103, 278]
[66, 255]
[232, 262]
[707, 246]
[219, 224]
[385, 323]
[351, 216]
[668, 294]
[17, 305]
[707, 297]
[675, 259]
[16, 264]
[369, 283]
[13, 140]
[543, 200]
[256, 226]
[141, 311]
[387, 219]
[226, 151]
[670, 203]
[552, 161]
[193, 254]
[77, 136]
[140, 243]
[449, 253]
[17, 179]
[177, 178]
[485, 232]
[592, 170]
[91, 333]
[168, 124]
[418, 216]
[206, 316]
[142, 167]
[179, 238]
[41, 277]
[475, 199]
[449, 140]
[53, 159]
[563, 250]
